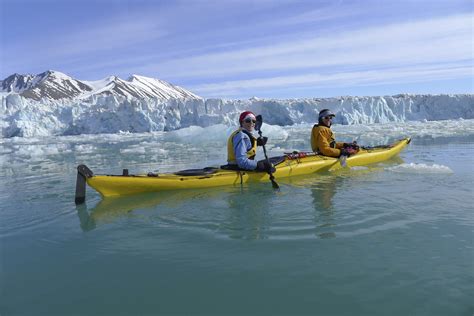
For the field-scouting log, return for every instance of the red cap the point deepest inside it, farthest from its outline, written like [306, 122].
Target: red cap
[244, 115]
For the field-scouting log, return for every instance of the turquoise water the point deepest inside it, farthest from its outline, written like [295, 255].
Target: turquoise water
[392, 239]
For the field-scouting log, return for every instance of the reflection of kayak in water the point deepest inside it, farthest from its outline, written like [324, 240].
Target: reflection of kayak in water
[289, 165]
[108, 210]
[116, 206]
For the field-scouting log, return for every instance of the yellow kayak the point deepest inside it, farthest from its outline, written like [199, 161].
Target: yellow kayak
[288, 165]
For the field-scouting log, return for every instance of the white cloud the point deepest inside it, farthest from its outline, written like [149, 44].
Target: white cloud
[354, 78]
[111, 35]
[436, 40]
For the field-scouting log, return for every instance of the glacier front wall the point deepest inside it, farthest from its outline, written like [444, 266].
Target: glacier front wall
[110, 114]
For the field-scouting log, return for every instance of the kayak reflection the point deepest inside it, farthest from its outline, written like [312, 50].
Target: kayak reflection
[324, 190]
[109, 209]
[226, 209]
[238, 213]
[323, 195]
[249, 215]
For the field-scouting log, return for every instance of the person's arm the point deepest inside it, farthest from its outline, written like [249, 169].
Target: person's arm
[323, 144]
[241, 145]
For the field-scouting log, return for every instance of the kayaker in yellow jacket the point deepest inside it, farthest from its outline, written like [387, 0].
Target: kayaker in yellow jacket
[323, 140]
[242, 146]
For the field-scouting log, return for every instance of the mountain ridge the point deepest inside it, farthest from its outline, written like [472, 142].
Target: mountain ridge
[54, 85]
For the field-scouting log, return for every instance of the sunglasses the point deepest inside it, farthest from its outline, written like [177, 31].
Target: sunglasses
[328, 117]
[250, 121]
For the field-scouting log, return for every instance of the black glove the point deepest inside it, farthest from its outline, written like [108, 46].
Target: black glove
[352, 145]
[348, 151]
[262, 141]
[264, 165]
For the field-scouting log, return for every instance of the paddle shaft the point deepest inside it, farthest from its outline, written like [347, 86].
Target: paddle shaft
[272, 178]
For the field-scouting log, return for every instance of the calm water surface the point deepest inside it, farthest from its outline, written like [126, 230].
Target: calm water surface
[392, 239]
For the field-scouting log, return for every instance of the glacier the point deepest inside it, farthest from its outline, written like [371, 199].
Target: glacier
[54, 104]
[26, 117]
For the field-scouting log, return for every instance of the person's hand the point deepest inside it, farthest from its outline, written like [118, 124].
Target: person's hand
[262, 141]
[348, 151]
[355, 146]
[352, 145]
[264, 165]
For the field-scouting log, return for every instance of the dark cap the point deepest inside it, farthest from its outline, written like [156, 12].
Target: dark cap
[325, 112]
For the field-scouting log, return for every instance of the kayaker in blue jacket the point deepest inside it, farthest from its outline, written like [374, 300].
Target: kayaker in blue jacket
[242, 146]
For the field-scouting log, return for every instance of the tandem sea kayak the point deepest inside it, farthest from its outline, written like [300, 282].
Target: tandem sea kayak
[288, 165]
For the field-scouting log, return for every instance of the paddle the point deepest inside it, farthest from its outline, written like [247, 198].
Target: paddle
[258, 126]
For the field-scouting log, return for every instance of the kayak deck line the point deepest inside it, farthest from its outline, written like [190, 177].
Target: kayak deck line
[288, 165]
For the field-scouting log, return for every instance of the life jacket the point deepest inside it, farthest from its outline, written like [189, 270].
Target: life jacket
[230, 146]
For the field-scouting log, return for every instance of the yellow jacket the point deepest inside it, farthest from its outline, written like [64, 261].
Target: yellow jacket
[324, 142]
[245, 148]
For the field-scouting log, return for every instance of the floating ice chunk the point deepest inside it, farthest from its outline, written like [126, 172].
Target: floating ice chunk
[274, 131]
[85, 148]
[420, 168]
[133, 150]
[199, 135]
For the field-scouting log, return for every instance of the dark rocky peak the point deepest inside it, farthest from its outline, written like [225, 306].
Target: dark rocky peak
[16, 83]
[54, 85]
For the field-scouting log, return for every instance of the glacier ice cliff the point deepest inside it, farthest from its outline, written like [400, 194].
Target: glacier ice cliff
[26, 117]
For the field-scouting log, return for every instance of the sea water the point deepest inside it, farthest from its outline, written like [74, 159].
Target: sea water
[394, 238]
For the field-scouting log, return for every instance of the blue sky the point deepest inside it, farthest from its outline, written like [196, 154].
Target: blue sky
[240, 49]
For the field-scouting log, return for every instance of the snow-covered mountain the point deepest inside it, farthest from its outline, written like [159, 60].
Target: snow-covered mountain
[51, 85]
[54, 85]
[55, 104]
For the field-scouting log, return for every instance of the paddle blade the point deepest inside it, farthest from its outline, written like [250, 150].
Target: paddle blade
[258, 124]
[275, 184]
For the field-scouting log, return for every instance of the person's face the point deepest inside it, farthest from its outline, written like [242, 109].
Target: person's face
[327, 120]
[248, 124]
